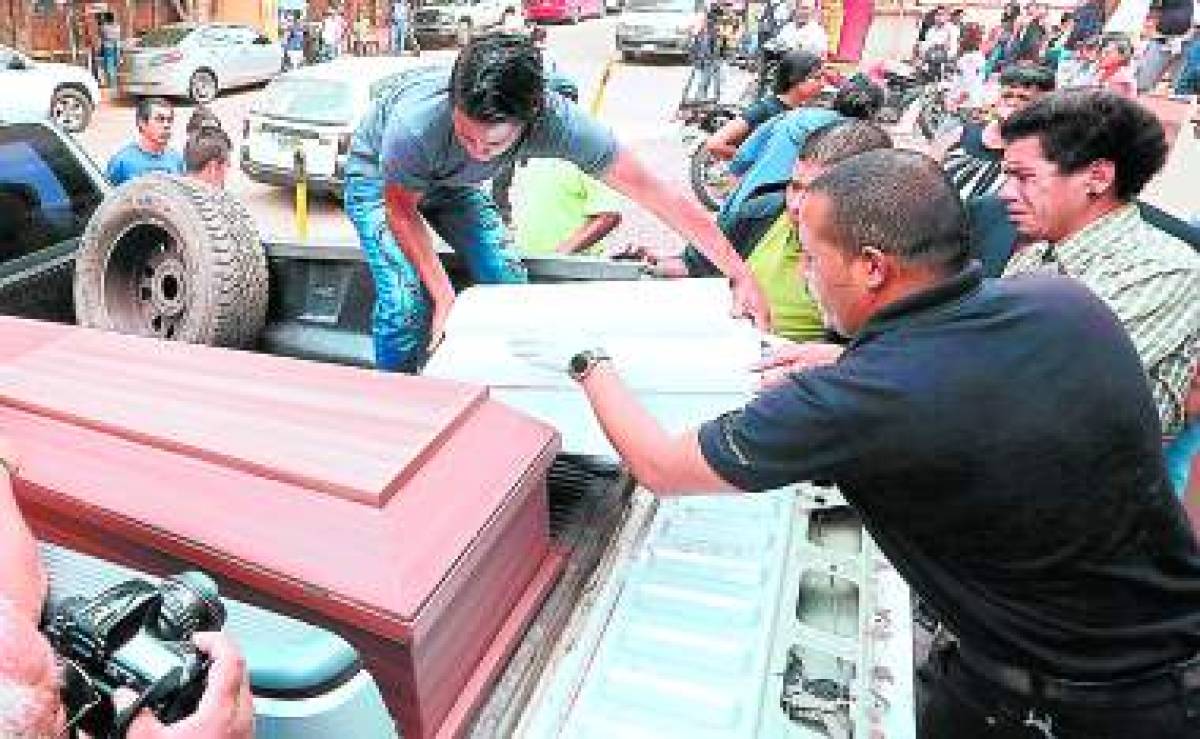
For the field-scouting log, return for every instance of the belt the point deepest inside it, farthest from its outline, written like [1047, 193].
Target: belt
[1157, 686]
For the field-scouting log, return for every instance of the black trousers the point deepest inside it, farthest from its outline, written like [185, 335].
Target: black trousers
[955, 703]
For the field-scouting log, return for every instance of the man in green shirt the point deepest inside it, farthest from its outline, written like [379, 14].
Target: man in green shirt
[561, 210]
[776, 260]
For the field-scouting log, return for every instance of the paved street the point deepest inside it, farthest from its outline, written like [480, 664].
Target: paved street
[638, 104]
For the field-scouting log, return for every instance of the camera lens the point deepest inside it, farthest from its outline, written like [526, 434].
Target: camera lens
[190, 603]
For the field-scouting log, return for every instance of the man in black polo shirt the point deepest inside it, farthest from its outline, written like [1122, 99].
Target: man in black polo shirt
[1001, 446]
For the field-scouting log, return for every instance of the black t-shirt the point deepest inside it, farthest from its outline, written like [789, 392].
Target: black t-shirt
[1000, 443]
[973, 168]
[761, 111]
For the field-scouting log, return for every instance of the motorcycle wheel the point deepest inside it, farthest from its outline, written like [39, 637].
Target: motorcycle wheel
[710, 178]
[931, 118]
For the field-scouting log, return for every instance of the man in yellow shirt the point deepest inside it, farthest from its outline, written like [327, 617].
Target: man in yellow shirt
[776, 259]
[559, 209]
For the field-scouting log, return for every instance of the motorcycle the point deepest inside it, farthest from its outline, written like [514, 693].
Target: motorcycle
[926, 84]
[709, 175]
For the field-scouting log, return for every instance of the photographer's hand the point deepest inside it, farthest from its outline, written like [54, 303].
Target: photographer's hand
[226, 710]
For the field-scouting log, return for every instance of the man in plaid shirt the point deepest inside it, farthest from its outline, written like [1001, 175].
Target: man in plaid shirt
[1076, 161]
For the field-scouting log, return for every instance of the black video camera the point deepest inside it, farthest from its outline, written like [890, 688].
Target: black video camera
[134, 635]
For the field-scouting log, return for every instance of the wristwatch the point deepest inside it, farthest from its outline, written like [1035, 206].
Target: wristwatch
[582, 364]
[9, 466]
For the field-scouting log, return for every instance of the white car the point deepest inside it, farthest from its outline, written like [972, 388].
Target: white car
[66, 94]
[197, 61]
[314, 110]
[658, 27]
[459, 19]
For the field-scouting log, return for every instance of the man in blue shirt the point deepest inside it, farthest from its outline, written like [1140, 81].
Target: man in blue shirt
[150, 152]
[432, 136]
[1046, 539]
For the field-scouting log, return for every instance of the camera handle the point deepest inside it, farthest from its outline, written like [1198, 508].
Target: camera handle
[123, 718]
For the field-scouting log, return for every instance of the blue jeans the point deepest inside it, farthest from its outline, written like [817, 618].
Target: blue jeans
[1179, 456]
[397, 36]
[1188, 81]
[466, 218]
[110, 54]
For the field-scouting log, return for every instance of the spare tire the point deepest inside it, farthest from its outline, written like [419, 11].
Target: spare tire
[173, 258]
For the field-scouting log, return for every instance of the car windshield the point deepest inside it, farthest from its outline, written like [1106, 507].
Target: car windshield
[661, 6]
[308, 99]
[159, 38]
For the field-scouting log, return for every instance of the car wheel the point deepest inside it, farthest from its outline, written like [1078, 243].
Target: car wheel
[71, 109]
[168, 257]
[464, 32]
[202, 88]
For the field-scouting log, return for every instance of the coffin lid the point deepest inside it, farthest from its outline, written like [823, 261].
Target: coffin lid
[361, 486]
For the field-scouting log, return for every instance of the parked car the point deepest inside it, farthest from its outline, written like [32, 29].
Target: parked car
[198, 61]
[570, 11]
[658, 27]
[456, 20]
[64, 92]
[314, 109]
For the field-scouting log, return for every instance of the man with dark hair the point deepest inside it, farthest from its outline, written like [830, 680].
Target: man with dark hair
[775, 249]
[764, 162]
[1046, 538]
[432, 136]
[973, 155]
[206, 156]
[798, 80]
[1076, 161]
[151, 151]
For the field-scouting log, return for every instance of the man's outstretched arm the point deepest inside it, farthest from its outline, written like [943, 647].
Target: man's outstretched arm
[665, 464]
[686, 216]
[412, 236]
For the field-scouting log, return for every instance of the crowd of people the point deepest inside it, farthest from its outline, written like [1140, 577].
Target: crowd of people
[333, 35]
[1081, 46]
[206, 155]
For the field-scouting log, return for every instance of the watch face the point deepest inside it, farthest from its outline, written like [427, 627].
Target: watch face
[579, 363]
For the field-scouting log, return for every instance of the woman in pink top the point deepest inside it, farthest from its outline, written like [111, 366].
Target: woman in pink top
[1115, 67]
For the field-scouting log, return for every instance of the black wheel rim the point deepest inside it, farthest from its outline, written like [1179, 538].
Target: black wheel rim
[714, 176]
[69, 112]
[146, 283]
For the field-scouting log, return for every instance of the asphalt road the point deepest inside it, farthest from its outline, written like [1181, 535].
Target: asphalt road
[638, 104]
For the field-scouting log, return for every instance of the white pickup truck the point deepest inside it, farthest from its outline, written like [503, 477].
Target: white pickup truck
[559, 600]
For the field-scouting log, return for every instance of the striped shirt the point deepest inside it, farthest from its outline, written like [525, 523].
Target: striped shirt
[1151, 280]
[974, 169]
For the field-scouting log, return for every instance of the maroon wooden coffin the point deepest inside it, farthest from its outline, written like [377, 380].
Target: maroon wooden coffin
[407, 514]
